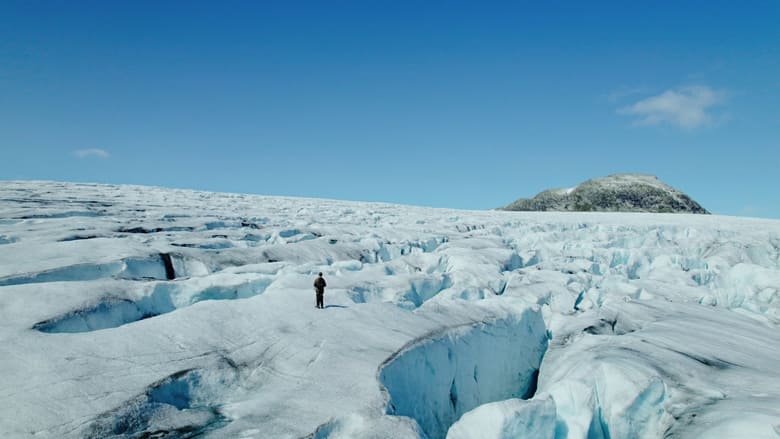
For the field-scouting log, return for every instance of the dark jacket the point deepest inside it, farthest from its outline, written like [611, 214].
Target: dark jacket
[319, 285]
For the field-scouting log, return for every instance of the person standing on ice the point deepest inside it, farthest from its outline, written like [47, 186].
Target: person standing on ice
[319, 288]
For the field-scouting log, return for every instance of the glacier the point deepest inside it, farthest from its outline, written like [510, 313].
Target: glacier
[131, 311]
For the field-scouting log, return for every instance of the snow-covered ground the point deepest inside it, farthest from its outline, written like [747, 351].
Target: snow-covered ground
[144, 312]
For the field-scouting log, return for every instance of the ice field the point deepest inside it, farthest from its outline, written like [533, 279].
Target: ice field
[130, 311]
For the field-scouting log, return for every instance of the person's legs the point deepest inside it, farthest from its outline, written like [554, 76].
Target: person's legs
[319, 300]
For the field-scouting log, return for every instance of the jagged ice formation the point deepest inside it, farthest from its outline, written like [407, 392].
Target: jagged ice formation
[131, 311]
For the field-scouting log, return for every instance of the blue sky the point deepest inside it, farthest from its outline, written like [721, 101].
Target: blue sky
[449, 104]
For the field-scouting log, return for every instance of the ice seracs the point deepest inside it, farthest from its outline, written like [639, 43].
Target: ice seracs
[438, 323]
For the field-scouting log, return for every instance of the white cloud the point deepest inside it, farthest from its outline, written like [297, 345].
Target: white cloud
[687, 107]
[91, 152]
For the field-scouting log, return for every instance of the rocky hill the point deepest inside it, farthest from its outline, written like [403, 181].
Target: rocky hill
[614, 193]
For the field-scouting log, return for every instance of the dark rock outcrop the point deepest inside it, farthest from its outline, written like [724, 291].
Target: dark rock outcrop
[615, 193]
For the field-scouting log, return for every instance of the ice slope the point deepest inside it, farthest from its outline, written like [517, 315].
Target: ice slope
[132, 311]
